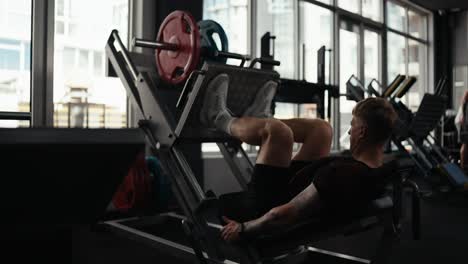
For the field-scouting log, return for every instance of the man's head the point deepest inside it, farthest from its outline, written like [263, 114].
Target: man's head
[372, 123]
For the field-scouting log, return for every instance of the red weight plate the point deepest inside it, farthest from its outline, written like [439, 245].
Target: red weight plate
[180, 28]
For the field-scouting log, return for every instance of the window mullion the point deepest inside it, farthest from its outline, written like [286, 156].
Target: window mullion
[42, 67]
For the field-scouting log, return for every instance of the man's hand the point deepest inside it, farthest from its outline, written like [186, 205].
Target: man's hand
[231, 231]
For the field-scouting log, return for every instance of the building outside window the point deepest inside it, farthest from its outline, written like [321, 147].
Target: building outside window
[15, 59]
[83, 96]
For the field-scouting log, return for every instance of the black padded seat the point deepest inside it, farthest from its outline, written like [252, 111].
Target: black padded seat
[244, 84]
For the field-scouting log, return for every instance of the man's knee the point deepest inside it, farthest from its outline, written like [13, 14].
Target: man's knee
[278, 132]
[325, 129]
[320, 129]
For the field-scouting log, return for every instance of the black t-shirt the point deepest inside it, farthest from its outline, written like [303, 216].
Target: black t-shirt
[343, 183]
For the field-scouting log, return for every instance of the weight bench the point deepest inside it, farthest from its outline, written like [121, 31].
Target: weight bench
[169, 126]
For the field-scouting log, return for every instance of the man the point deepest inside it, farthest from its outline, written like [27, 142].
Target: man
[459, 121]
[284, 190]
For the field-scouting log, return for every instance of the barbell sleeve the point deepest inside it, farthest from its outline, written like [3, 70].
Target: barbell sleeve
[136, 42]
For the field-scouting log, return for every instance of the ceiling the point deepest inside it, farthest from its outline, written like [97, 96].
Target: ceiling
[442, 4]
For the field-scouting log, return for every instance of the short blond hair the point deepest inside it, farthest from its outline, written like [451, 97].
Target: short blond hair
[379, 117]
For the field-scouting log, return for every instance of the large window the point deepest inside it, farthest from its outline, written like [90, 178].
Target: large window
[83, 96]
[278, 18]
[349, 65]
[15, 59]
[407, 49]
[313, 21]
[233, 16]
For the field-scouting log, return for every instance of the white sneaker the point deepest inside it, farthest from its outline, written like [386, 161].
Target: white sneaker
[261, 106]
[215, 100]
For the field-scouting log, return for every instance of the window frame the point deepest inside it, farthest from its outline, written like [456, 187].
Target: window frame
[41, 112]
[25, 116]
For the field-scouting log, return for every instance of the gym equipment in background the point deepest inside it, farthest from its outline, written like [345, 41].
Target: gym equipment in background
[302, 91]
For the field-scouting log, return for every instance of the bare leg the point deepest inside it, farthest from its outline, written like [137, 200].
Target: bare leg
[315, 134]
[274, 137]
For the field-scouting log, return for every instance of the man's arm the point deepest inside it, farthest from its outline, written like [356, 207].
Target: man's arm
[301, 206]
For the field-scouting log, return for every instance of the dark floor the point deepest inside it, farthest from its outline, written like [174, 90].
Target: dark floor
[444, 240]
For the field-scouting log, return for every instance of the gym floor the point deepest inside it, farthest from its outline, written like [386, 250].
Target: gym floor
[444, 240]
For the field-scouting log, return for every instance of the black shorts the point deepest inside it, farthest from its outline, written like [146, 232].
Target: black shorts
[268, 188]
[342, 183]
[272, 186]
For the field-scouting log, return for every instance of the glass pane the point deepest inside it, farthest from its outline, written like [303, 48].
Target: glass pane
[396, 54]
[14, 123]
[60, 7]
[233, 16]
[372, 9]
[15, 58]
[417, 25]
[349, 65]
[59, 27]
[83, 96]
[285, 110]
[277, 17]
[371, 56]
[417, 67]
[98, 63]
[314, 21]
[350, 5]
[308, 111]
[396, 16]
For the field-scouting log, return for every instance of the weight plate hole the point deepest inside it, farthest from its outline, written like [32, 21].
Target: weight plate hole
[178, 72]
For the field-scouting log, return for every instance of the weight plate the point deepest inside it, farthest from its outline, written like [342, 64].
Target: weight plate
[208, 30]
[180, 28]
